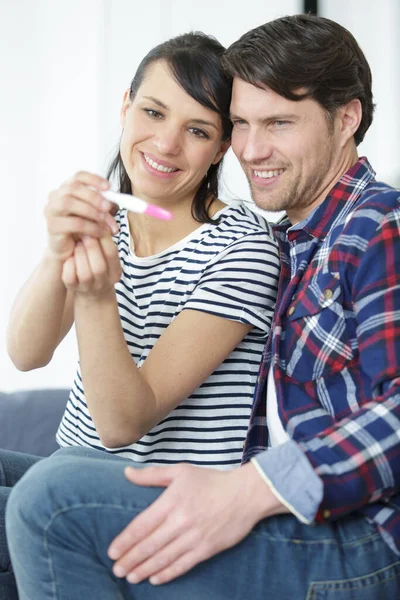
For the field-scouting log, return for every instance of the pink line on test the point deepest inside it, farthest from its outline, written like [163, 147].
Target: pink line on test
[159, 213]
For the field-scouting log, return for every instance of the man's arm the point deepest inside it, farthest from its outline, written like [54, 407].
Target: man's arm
[201, 513]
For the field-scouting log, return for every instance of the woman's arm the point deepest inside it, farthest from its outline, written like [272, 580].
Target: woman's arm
[41, 316]
[126, 402]
[43, 311]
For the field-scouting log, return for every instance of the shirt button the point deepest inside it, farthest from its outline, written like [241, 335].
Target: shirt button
[243, 443]
[328, 294]
[326, 514]
[291, 311]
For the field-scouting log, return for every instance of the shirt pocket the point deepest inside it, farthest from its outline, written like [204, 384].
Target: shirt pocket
[316, 340]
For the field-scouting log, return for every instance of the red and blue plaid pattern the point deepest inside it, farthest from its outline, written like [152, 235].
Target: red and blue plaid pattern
[335, 349]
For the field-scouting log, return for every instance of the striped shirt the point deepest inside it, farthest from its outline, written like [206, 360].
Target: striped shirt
[335, 354]
[228, 268]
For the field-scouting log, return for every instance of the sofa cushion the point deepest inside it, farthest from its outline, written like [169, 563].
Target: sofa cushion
[29, 420]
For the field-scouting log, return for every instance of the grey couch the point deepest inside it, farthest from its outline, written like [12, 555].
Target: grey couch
[29, 420]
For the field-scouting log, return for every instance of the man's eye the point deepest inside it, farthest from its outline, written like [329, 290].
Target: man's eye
[281, 123]
[154, 114]
[238, 122]
[199, 132]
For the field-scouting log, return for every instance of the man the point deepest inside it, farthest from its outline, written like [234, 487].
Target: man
[315, 510]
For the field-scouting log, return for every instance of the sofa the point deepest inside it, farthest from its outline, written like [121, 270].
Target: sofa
[29, 420]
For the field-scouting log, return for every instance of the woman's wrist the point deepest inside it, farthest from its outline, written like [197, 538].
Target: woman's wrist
[101, 297]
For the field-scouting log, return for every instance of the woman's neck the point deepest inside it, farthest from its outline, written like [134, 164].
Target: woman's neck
[152, 236]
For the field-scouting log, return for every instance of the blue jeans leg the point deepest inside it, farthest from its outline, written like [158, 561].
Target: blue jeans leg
[13, 465]
[66, 510]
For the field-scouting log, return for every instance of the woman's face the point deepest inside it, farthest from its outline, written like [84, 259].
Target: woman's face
[169, 140]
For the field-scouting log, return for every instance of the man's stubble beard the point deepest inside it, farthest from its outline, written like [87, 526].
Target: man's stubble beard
[300, 194]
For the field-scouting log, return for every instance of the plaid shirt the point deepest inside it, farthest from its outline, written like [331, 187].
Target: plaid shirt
[335, 350]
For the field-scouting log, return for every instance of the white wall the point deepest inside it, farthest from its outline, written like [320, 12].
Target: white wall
[65, 65]
[376, 26]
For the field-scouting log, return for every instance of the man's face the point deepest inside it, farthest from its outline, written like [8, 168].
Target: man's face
[290, 154]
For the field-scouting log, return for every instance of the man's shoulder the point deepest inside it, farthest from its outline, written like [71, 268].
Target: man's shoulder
[374, 204]
[379, 197]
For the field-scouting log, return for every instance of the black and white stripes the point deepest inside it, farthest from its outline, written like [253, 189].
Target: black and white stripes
[229, 269]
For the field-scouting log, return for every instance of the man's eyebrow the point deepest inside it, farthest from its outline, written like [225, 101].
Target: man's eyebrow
[277, 117]
[165, 107]
[232, 116]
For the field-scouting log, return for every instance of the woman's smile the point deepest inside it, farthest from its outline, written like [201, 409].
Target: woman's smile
[158, 167]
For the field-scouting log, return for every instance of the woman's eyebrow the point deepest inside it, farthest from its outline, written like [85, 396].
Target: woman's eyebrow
[162, 105]
[158, 102]
[204, 122]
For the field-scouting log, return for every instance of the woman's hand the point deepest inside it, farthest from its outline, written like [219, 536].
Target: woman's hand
[94, 267]
[77, 209]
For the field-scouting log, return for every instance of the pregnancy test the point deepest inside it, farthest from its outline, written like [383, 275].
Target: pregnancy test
[137, 205]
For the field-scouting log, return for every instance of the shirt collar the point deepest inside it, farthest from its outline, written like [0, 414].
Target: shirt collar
[348, 189]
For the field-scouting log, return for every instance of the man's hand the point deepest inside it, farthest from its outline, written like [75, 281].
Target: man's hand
[201, 513]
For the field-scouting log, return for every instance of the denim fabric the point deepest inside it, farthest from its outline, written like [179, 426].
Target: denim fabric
[65, 511]
[13, 465]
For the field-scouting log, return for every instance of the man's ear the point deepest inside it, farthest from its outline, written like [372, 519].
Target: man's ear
[126, 103]
[350, 119]
[222, 150]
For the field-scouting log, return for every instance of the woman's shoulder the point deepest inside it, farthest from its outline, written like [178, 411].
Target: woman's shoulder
[239, 218]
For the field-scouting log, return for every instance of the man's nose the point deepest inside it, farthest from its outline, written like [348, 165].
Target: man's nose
[257, 147]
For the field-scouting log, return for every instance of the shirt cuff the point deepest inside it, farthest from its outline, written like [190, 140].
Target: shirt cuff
[291, 477]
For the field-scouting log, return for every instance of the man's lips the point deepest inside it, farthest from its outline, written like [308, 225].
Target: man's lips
[267, 173]
[265, 177]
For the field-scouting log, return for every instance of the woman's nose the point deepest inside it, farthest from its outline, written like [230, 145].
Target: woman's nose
[168, 141]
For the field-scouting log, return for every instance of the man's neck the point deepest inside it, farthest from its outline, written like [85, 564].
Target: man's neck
[340, 167]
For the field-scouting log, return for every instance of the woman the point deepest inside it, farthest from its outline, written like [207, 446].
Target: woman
[193, 297]
[171, 318]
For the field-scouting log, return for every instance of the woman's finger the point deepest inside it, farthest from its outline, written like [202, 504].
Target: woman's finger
[83, 271]
[77, 226]
[68, 275]
[78, 190]
[96, 260]
[110, 252]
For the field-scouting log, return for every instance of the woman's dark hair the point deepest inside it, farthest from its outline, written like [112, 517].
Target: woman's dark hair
[195, 61]
[310, 52]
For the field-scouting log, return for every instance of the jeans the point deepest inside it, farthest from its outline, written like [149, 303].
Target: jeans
[13, 466]
[65, 511]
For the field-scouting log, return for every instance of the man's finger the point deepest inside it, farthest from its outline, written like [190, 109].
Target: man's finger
[151, 476]
[172, 538]
[182, 565]
[170, 554]
[140, 528]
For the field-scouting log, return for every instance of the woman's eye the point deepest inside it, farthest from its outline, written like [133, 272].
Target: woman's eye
[199, 132]
[154, 114]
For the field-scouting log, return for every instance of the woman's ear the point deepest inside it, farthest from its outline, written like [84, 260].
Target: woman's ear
[125, 105]
[221, 152]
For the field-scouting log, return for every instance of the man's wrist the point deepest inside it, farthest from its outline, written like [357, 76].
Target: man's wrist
[265, 503]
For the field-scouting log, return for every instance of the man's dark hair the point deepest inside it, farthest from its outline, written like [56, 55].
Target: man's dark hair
[195, 61]
[305, 52]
